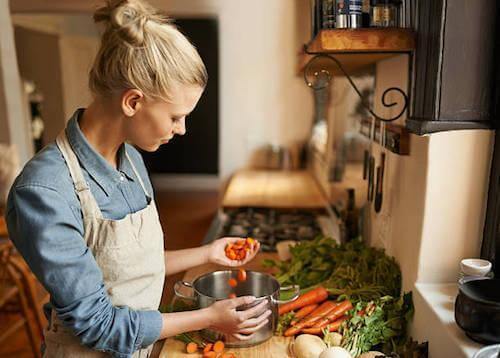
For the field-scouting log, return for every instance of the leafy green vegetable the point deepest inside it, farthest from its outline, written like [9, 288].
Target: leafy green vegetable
[352, 270]
[283, 322]
[381, 323]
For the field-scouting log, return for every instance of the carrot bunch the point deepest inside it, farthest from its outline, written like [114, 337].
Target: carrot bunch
[239, 249]
[314, 312]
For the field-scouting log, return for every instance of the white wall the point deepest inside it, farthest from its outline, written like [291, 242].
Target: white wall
[262, 100]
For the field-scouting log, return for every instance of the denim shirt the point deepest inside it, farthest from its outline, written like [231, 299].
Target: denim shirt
[45, 223]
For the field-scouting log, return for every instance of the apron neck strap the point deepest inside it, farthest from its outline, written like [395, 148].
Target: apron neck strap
[136, 173]
[87, 200]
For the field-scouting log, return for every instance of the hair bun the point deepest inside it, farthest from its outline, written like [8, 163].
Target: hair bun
[127, 18]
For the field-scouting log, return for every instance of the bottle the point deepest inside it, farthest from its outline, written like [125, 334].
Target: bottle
[342, 14]
[355, 13]
[328, 14]
[384, 13]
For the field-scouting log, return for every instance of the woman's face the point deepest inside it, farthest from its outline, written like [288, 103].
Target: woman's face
[155, 122]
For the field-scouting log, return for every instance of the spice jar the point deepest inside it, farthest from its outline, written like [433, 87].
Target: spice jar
[384, 13]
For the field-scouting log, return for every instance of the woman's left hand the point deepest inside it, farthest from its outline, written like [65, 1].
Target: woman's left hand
[217, 252]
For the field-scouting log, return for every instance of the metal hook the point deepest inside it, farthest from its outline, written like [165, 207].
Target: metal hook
[385, 103]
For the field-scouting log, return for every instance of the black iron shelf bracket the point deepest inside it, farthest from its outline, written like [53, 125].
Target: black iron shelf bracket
[384, 100]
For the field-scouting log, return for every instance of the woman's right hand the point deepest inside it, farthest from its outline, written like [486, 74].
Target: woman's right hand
[240, 324]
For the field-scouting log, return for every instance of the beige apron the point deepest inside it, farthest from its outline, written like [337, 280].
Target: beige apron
[129, 253]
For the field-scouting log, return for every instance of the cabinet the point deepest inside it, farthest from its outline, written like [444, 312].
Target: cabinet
[453, 74]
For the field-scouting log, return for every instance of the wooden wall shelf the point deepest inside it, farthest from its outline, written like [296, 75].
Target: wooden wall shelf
[397, 137]
[357, 49]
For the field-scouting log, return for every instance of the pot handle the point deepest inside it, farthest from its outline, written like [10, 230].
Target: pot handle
[296, 293]
[179, 294]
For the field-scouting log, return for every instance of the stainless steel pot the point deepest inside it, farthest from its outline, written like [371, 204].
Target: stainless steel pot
[214, 286]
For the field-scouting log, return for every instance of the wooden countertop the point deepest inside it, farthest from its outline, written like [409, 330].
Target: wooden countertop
[276, 189]
[276, 347]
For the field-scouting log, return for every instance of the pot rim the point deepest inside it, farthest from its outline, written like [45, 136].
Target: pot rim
[220, 272]
[480, 300]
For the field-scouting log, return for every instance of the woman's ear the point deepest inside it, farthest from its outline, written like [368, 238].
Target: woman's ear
[132, 101]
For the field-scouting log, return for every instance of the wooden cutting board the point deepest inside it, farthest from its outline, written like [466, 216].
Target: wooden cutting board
[276, 347]
[276, 189]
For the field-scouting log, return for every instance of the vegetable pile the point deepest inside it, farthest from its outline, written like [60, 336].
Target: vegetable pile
[209, 350]
[351, 296]
[238, 250]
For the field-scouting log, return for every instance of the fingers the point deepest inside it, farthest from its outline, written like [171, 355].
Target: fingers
[253, 322]
[243, 300]
[254, 329]
[242, 337]
[254, 311]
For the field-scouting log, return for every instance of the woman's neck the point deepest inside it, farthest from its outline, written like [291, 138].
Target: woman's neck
[103, 129]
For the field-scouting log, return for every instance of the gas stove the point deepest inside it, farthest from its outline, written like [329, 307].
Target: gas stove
[271, 226]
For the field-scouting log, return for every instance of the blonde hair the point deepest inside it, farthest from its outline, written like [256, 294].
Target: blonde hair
[142, 49]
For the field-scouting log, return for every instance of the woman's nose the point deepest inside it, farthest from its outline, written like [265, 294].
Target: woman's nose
[180, 128]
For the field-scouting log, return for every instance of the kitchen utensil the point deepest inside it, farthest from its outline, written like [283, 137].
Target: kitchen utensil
[477, 310]
[371, 161]
[211, 287]
[492, 351]
[366, 162]
[379, 195]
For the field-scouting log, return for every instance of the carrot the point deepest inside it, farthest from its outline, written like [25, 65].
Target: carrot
[324, 309]
[232, 282]
[304, 311]
[208, 347]
[228, 355]
[210, 354]
[191, 347]
[232, 295]
[332, 327]
[292, 331]
[219, 347]
[316, 295]
[242, 275]
[339, 311]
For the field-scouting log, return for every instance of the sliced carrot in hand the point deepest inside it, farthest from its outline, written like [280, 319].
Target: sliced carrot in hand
[191, 347]
[219, 347]
[208, 347]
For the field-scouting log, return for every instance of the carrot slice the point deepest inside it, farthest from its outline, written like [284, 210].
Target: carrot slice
[242, 275]
[232, 295]
[208, 347]
[219, 347]
[191, 347]
[232, 282]
[210, 354]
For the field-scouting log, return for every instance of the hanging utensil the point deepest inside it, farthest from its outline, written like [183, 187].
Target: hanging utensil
[371, 162]
[379, 195]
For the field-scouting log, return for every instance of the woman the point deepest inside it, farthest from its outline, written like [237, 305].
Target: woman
[82, 213]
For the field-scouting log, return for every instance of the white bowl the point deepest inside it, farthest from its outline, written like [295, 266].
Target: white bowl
[475, 267]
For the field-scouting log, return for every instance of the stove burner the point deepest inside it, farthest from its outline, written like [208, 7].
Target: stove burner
[270, 226]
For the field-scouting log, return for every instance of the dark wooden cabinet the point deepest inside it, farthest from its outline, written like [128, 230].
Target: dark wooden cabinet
[454, 66]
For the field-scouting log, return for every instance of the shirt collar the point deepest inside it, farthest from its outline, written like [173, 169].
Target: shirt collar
[94, 163]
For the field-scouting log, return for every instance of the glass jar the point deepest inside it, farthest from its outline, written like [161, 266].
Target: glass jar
[384, 13]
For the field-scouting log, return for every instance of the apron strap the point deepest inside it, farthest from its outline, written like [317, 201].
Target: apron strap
[87, 200]
[136, 173]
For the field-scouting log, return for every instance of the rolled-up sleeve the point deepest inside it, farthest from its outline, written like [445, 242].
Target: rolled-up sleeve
[49, 235]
